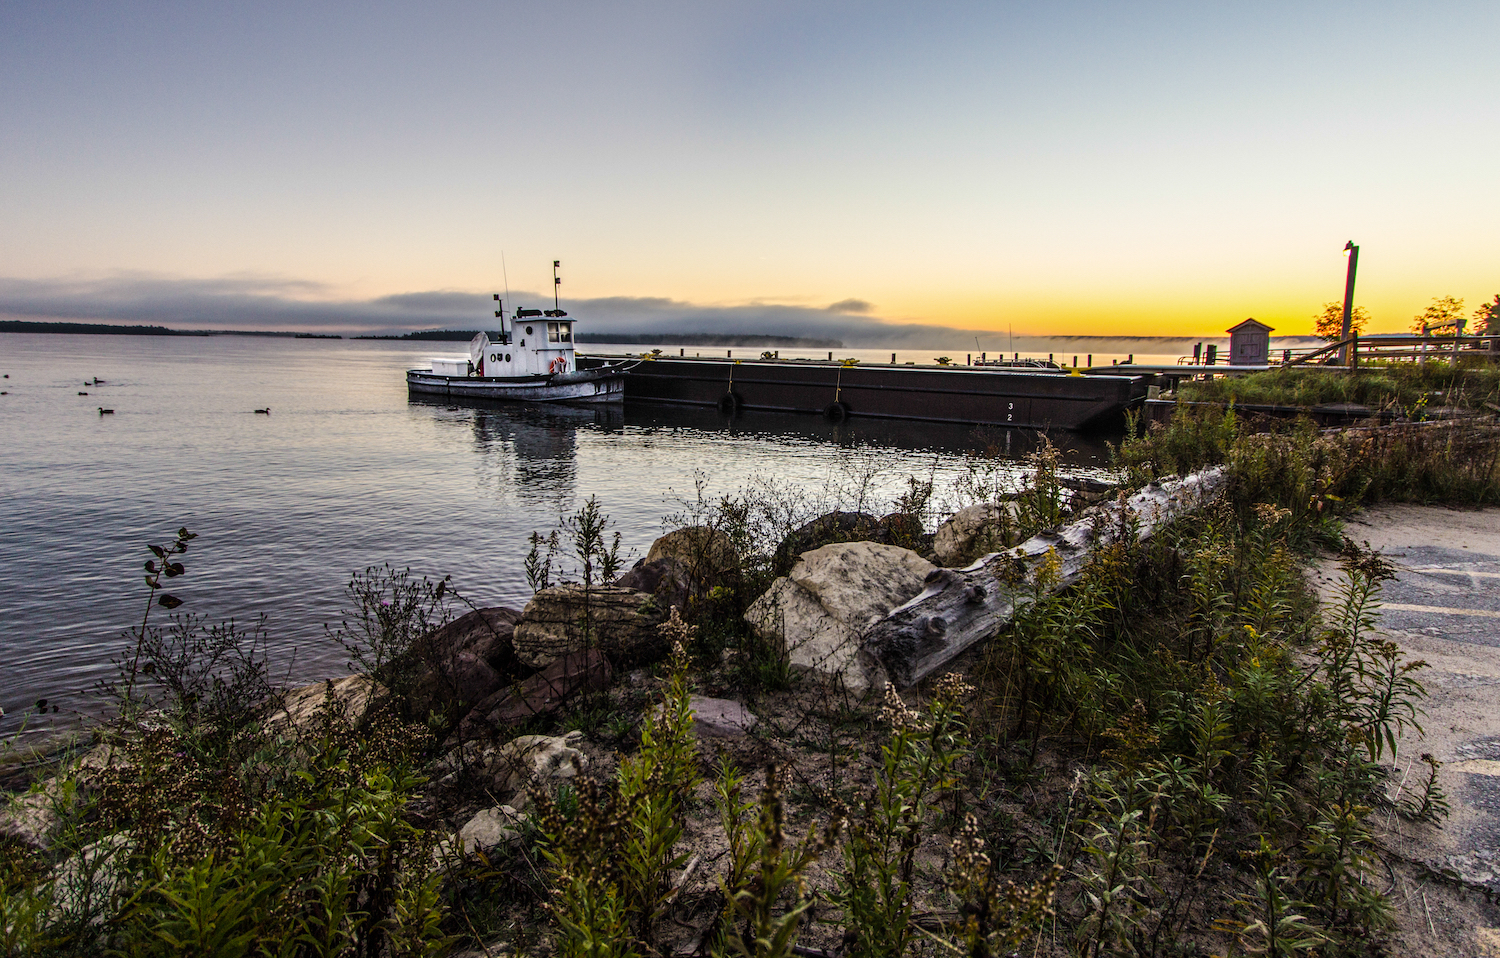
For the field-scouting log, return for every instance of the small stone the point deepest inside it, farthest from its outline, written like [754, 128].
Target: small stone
[494, 827]
[528, 758]
[720, 718]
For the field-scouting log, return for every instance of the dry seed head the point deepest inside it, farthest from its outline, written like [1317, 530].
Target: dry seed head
[676, 631]
[952, 687]
[1270, 513]
[897, 714]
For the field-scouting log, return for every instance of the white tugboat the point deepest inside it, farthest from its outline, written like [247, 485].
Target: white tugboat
[533, 361]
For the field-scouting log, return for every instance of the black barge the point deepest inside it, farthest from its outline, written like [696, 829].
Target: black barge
[963, 394]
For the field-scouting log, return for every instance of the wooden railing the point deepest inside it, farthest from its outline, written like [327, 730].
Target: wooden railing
[1357, 349]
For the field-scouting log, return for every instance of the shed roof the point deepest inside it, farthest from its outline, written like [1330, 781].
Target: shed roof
[1249, 324]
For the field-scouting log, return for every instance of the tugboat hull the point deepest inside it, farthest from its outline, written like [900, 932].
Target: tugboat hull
[602, 385]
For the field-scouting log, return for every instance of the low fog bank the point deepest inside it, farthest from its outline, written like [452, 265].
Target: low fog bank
[259, 303]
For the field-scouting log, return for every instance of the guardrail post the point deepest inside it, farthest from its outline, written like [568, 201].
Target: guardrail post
[1354, 351]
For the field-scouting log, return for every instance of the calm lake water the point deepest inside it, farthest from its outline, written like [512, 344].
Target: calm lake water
[346, 472]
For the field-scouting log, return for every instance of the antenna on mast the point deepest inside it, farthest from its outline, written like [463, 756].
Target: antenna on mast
[556, 282]
[506, 273]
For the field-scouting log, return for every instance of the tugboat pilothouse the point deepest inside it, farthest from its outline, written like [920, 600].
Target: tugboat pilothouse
[531, 361]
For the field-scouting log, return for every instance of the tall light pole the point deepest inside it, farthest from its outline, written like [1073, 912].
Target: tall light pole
[1353, 252]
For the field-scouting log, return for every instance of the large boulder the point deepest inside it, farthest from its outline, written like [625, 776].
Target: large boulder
[975, 531]
[450, 688]
[30, 819]
[905, 530]
[824, 530]
[683, 566]
[483, 633]
[820, 612]
[351, 698]
[666, 578]
[540, 694]
[618, 621]
[462, 663]
[705, 552]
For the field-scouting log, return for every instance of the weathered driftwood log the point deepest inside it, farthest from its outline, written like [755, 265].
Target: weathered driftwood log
[960, 607]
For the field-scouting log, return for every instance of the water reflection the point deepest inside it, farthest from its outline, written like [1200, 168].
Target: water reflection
[544, 438]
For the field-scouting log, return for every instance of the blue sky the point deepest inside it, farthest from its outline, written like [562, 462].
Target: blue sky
[1056, 168]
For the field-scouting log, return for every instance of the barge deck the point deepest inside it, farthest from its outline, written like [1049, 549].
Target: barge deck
[962, 394]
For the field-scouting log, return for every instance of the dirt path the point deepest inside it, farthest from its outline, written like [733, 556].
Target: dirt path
[1444, 607]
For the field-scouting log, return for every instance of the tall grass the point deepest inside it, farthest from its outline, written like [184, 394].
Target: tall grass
[1403, 388]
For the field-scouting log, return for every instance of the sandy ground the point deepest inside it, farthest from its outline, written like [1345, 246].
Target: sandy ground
[1444, 608]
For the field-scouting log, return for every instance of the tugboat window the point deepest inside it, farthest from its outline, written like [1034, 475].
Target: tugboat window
[552, 332]
[528, 330]
[565, 332]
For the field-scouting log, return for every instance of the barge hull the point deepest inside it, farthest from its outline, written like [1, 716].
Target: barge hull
[963, 394]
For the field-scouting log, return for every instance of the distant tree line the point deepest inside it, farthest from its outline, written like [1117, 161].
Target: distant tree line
[107, 329]
[1445, 313]
[17, 326]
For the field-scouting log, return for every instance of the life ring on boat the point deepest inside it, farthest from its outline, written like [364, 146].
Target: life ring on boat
[836, 412]
[729, 404]
[558, 365]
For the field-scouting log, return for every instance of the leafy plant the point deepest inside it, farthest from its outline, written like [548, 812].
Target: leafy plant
[879, 856]
[391, 610]
[764, 870]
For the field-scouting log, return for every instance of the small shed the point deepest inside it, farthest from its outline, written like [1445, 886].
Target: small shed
[1249, 343]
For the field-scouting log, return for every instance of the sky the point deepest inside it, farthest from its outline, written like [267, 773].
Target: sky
[867, 169]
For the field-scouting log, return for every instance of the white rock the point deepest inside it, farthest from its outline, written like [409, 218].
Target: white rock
[971, 532]
[85, 880]
[527, 758]
[30, 818]
[353, 696]
[491, 828]
[859, 582]
[820, 612]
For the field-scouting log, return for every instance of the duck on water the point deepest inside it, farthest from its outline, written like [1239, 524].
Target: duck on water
[532, 361]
